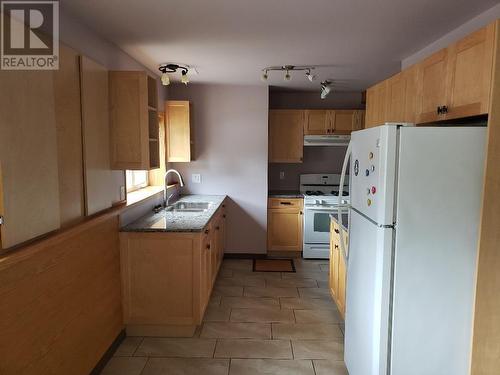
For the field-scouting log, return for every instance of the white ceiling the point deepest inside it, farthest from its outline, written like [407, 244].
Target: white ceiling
[357, 42]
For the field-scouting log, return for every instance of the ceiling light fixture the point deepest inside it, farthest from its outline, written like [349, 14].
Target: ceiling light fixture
[310, 77]
[288, 77]
[326, 88]
[172, 68]
[288, 69]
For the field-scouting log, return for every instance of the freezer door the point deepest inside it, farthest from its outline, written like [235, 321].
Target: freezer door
[373, 168]
[438, 213]
[367, 300]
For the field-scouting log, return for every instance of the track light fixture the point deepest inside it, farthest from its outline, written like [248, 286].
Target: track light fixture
[287, 69]
[172, 68]
[326, 88]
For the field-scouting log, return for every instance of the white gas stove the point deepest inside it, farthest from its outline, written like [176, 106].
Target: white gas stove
[321, 198]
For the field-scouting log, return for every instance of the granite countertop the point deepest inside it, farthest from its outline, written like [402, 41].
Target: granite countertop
[169, 221]
[285, 194]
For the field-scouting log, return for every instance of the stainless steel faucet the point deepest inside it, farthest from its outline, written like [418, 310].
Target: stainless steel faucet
[166, 197]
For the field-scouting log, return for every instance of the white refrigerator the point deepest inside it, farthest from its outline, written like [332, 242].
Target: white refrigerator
[414, 220]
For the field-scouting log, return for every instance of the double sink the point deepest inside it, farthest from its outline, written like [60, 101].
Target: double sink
[189, 207]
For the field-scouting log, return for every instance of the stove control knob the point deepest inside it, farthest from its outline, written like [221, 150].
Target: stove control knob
[369, 202]
[373, 190]
[372, 168]
[367, 172]
[370, 155]
[368, 191]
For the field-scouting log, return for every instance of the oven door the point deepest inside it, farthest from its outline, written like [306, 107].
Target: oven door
[317, 225]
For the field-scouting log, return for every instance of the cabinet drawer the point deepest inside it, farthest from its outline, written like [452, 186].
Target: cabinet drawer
[285, 203]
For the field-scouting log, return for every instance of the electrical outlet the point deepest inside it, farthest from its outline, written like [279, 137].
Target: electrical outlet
[282, 175]
[122, 193]
[196, 178]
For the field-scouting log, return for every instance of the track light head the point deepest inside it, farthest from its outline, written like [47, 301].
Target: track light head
[264, 76]
[310, 77]
[184, 77]
[165, 79]
[326, 88]
[287, 77]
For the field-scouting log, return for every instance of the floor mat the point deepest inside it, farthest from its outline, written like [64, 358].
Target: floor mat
[273, 265]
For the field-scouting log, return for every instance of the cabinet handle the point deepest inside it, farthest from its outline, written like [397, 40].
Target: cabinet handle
[217, 228]
[439, 110]
[286, 203]
[301, 213]
[207, 231]
[224, 216]
[336, 230]
[223, 206]
[444, 109]
[208, 246]
[336, 246]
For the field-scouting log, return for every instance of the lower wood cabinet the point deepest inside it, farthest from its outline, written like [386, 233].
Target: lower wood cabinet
[284, 224]
[167, 278]
[337, 281]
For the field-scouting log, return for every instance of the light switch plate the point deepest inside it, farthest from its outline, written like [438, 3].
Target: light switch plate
[196, 178]
[282, 175]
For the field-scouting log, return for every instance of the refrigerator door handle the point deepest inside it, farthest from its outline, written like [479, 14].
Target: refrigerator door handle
[341, 190]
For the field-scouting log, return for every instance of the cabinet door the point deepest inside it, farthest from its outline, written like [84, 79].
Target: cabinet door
[178, 131]
[410, 106]
[284, 230]
[317, 122]
[396, 95]
[128, 97]
[469, 69]
[69, 136]
[286, 136]
[359, 120]
[28, 156]
[432, 87]
[206, 269]
[342, 276]
[343, 121]
[376, 103]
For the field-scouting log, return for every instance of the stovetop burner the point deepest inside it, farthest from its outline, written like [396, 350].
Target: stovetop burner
[336, 193]
[314, 192]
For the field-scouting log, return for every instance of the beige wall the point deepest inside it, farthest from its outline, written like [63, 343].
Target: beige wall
[230, 149]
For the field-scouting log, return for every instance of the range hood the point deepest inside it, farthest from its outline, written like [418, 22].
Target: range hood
[327, 140]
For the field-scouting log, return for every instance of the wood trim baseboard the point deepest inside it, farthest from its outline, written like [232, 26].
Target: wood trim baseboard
[109, 353]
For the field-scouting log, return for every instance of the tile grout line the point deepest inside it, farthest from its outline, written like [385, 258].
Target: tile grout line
[145, 364]
[137, 348]
[314, 367]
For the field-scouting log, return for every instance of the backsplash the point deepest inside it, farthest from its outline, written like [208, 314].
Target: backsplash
[316, 160]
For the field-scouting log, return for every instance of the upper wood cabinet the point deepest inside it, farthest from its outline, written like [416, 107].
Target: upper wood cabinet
[317, 122]
[401, 97]
[134, 120]
[452, 83]
[100, 187]
[178, 131]
[338, 121]
[469, 74]
[286, 136]
[28, 156]
[344, 121]
[376, 104]
[432, 86]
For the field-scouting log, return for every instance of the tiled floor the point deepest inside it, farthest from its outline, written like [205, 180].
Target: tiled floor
[256, 323]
